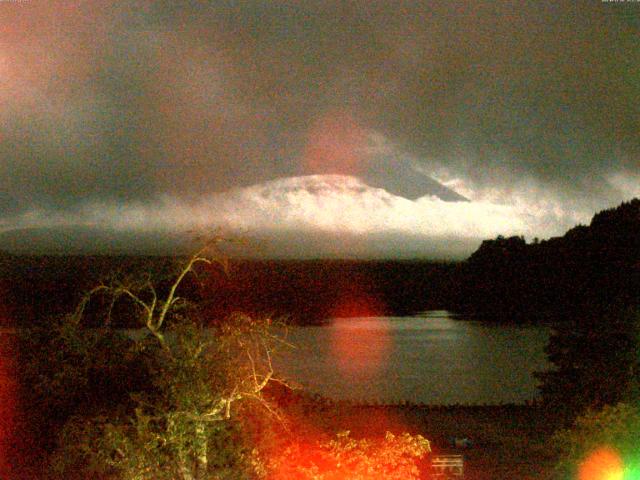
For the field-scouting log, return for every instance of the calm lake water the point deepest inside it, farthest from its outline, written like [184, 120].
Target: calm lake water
[432, 358]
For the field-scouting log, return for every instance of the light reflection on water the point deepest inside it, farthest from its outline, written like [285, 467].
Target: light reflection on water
[432, 358]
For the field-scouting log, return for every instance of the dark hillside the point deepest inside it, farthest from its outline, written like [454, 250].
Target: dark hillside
[586, 269]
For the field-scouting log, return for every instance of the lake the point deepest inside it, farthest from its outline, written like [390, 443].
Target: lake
[432, 358]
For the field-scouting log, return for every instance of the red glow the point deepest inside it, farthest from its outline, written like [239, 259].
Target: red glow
[8, 389]
[336, 457]
[297, 459]
[359, 348]
[603, 464]
[335, 144]
[358, 304]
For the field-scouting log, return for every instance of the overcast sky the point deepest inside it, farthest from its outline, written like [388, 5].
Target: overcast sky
[169, 115]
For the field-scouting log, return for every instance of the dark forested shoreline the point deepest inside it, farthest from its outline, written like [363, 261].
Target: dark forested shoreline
[304, 292]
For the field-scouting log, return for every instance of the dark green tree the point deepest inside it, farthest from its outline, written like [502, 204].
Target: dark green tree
[595, 361]
[179, 420]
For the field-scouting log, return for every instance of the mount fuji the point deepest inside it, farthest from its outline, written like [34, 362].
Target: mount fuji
[293, 217]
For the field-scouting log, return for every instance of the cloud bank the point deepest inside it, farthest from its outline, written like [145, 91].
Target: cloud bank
[325, 215]
[121, 107]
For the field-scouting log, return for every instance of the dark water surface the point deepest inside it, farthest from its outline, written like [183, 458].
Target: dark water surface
[432, 358]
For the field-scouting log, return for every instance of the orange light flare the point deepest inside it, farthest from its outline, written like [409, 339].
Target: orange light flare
[602, 464]
[315, 453]
[359, 347]
[297, 458]
[336, 144]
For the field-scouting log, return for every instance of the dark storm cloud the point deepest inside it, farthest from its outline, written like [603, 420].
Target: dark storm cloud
[124, 103]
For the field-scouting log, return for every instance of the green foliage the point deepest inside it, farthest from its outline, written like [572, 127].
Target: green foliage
[67, 368]
[392, 458]
[158, 407]
[182, 426]
[614, 427]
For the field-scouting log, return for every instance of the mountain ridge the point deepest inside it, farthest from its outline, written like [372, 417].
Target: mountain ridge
[286, 208]
[585, 270]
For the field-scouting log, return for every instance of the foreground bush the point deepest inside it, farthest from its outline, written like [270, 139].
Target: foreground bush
[185, 425]
[391, 458]
[178, 385]
[66, 369]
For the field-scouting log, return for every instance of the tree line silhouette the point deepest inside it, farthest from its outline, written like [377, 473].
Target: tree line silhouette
[304, 291]
[586, 270]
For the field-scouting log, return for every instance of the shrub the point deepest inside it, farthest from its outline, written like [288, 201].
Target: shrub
[391, 458]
